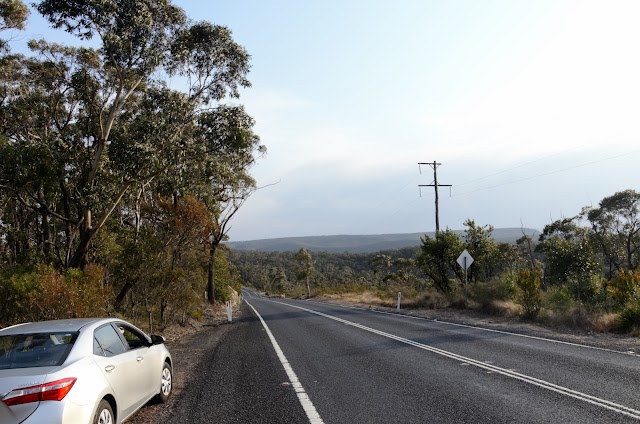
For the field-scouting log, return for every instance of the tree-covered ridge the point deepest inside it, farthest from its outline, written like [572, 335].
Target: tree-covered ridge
[103, 163]
[361, 243]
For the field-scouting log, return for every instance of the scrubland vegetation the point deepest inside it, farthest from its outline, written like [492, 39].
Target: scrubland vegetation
[581, 272]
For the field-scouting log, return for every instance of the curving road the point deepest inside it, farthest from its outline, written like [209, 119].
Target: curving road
[290, 361]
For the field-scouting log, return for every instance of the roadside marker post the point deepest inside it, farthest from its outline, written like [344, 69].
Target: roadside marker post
[229, 312]
[399, 297]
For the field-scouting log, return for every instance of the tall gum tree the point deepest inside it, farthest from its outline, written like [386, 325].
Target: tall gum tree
[103, 132]
[616, 224]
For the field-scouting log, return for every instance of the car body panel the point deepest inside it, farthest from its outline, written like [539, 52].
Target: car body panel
[134, 380]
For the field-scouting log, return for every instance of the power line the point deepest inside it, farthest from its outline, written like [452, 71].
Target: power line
[547, 173]
[518, 166]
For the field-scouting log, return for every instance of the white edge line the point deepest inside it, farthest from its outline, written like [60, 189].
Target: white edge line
[307, 405]
[604, 349]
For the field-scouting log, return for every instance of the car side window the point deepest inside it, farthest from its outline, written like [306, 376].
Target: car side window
[134, 338]
[108, 342]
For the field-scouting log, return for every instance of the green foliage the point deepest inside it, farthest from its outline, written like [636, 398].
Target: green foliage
[44, 293]
[227, 276]
[530, 296]
[630, 316]
[483, 249]
[87, 127]
[625, 287]
[616, 224]
[13, 14]
[570, 255]
[586, 289]
[437, 258]
[558, 299]
[503, 288]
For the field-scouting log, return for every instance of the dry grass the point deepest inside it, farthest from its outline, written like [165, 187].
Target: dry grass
[502, 308]
[605, 323]
[581, 318]
[365, 297]
[429, 300]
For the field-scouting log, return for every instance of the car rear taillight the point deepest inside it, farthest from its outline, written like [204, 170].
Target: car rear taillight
[56, 390]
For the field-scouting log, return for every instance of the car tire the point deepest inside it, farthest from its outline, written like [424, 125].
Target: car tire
[104, 413]
[166, 383]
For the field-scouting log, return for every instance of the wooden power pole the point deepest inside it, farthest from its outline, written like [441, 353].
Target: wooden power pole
[435, 185]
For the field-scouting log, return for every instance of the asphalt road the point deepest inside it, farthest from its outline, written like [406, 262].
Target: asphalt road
[348, 365]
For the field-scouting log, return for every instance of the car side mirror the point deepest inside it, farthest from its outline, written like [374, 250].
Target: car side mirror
[156, 340]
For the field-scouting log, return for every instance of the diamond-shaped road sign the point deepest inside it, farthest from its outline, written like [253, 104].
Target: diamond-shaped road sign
[465, 260]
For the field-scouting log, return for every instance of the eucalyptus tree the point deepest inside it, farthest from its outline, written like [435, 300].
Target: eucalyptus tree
[305, 267]
[102, 121]
[570, 256]
[483, 249]
[13, 15]
[616, 224]
[229, 149]
[437, 258]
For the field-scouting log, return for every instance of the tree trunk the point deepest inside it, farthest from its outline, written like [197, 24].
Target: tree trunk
[79, 258]
[122, 294]
[211, 277]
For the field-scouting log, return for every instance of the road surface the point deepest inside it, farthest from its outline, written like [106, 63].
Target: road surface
[292, 361]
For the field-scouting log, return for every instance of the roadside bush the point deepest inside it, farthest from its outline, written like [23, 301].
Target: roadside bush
[558, 299]
[625, 286]
[502, 289]
[586, 289]
[630, 317]
[529, 284]
[44, 293]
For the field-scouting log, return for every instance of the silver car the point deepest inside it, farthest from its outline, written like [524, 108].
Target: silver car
[80, 371]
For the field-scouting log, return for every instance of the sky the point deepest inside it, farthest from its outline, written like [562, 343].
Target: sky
[532, 108]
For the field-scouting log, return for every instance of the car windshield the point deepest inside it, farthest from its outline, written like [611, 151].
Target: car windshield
[35, 350]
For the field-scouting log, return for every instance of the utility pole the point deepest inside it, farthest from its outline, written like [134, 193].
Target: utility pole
[435, 185]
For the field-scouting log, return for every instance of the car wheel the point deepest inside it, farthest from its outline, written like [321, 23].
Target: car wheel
[166, 383]
[104, 414]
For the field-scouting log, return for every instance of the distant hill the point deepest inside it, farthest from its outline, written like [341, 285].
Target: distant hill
[360, 243]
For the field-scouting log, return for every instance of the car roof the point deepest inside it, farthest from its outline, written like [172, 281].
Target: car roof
[61, 325]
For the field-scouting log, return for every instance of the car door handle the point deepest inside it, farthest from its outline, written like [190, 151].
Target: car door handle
[109, 368]
[139, 358]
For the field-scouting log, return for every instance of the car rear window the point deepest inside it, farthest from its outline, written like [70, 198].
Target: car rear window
[35, 350]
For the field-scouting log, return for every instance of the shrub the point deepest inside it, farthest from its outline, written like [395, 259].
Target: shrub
[630, 316]
[529, 284]
[502, 289]
[585, 289]
[625, 287]
[558, 299]
[44, 293]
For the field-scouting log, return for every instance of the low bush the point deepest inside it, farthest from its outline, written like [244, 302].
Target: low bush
[558, 299]
[625, 287]
[529, 284]
[630, 317]
[43, 293]
[502, 289]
